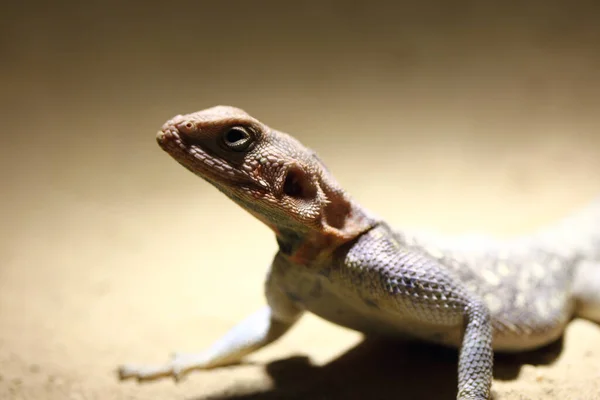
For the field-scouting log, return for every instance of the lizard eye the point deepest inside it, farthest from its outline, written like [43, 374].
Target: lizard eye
[237, 138]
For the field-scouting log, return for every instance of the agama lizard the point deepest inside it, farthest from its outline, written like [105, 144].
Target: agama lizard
[346, 265]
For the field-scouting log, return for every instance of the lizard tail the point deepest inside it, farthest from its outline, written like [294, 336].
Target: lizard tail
[586, 290]
[579, 235]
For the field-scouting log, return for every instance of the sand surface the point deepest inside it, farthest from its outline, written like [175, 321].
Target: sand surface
[457, 117]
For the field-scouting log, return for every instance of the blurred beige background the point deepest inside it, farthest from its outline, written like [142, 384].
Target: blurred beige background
[455, 116]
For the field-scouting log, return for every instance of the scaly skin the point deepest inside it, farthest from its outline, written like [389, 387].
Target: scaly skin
[338, 261]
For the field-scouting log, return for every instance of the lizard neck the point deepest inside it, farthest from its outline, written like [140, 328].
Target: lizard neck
[340, 220]
[343, 221]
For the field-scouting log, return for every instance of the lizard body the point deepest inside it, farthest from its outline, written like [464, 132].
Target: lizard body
[339, 261]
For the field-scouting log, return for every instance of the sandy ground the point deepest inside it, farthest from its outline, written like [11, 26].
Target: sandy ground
[457, 117]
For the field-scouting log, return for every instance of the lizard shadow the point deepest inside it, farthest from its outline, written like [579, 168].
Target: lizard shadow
[381, 369]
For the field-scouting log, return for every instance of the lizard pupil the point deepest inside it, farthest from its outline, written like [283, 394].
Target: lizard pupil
[237, 138]
[235, 135]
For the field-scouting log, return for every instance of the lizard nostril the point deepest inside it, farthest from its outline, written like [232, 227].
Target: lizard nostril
[187, 127]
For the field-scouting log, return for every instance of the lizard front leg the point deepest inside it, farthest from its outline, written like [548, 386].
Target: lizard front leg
[476, 357]
[427, 300]
[258, 330]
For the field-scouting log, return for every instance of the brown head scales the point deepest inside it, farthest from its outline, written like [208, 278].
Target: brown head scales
[268, 173]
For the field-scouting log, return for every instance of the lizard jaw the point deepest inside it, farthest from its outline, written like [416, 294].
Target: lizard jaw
[197, 160]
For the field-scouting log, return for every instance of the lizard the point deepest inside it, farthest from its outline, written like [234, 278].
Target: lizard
[343, 263]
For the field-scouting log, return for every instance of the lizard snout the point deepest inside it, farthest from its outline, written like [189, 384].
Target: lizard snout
[178, 127]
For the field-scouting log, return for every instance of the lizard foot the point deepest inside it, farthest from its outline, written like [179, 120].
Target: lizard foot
[177, 368]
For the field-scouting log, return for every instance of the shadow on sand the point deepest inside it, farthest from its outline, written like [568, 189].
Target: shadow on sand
[382, 369]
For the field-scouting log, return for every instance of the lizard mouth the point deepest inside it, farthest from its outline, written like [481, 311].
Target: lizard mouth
[198, 160]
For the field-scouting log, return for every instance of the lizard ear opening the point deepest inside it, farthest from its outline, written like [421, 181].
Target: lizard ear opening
[297, 185]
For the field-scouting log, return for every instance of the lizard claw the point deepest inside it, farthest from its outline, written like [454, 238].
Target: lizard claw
[177, 368]
[124, 372]
[148, 373]
[178, 374]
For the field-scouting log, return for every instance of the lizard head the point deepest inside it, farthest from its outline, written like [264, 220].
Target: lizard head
[267, 172]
